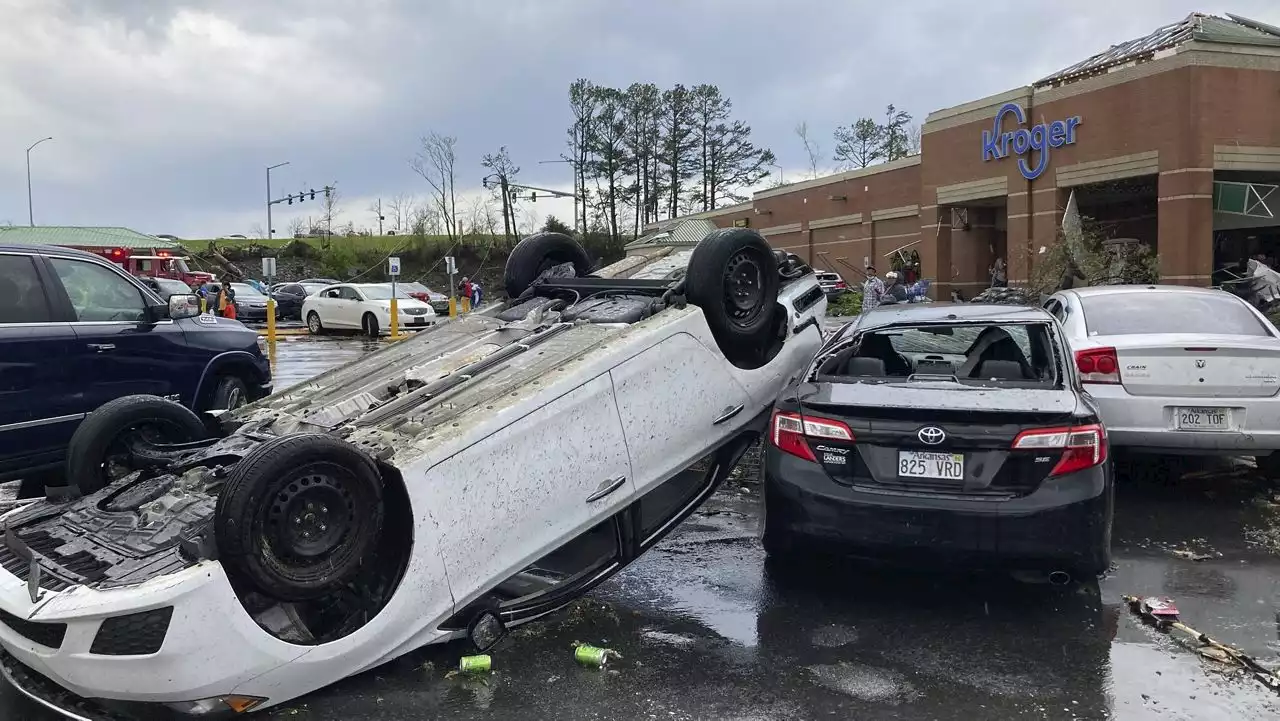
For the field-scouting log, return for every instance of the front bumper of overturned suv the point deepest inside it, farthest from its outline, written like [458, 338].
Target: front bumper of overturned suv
[169, 647]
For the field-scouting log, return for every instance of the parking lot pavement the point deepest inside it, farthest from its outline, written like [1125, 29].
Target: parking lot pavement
[708, 630]
[299, 357]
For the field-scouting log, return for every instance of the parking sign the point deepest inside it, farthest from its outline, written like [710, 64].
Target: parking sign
[393, 266]
[268, 267]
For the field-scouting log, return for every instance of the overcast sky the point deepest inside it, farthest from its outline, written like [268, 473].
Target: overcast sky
[165, 113]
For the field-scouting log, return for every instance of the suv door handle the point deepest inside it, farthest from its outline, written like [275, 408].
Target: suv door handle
[102, 347]
[606, 487]
[728, 413]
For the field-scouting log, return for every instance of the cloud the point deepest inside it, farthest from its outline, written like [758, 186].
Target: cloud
[165, 113]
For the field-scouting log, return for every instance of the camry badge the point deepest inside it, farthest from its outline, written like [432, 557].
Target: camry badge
[931, 435]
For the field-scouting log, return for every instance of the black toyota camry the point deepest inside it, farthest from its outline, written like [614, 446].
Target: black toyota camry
[953, 433]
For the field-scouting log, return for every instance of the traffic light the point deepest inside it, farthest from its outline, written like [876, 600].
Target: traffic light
[533, 197]
[326, 194]
[313, 193]
[290, 200]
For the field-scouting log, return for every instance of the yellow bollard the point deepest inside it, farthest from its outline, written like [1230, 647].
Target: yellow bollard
[466, 305]
[395, 319]
[453, 307]
[271, 354]
[271, 320]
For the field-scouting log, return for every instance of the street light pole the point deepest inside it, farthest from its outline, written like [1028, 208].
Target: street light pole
[269, 169]
[31, 218]
[781, 180]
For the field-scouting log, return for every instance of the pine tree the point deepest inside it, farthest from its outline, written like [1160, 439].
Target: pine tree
[678, 145]
[895, 143]
[608, 151]
[860, 144]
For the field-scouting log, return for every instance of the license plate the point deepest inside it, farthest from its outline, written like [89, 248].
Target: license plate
[1201, 419]
[419, 320]
[925, 464]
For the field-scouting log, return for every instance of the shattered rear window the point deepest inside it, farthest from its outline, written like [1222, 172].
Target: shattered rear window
[1016, 354]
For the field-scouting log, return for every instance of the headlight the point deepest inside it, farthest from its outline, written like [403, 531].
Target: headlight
[262, 344]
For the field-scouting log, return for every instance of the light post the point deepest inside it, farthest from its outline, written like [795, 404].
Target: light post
[31, 218]
[269, 169]
[781, 180]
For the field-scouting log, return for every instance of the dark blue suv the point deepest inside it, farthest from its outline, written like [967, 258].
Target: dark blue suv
[77, 332]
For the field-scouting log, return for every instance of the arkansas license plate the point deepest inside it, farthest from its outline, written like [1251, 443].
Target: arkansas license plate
[925, 464]
[1201, 419]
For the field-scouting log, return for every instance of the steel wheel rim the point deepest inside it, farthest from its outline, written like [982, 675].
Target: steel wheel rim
[311, 515]
[743, 287]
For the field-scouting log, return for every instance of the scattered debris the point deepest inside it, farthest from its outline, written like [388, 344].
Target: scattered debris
[482, 663]
[594, 657]
[1163, 614]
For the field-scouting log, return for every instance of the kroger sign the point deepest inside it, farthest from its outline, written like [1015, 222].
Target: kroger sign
[997, 142]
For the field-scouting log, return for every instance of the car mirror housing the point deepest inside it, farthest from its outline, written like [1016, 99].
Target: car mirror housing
[183, 306]
[486, 630]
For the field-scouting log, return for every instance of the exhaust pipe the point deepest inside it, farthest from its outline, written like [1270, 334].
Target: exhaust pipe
[1059, 578]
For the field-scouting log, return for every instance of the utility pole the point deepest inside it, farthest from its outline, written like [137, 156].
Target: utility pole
[269, 169]
[379, 216]
[31, 217]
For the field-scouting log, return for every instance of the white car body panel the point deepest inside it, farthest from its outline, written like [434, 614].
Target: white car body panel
[348, 314]
[1163, 372]
[493, 482]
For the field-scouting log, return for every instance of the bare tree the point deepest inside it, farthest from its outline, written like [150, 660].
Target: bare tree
[435, 162]
[811, 149]
[256, 231]
[530, 221]
[399, 211]
[297, 227]
[914, 133]
[331, 209]
[424, 220]
[505, 170]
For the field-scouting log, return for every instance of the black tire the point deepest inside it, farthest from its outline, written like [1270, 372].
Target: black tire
[733, 278]
[97, 452]
[314, 326]
[537, 254]
[299, 516]
[229, 394]
[369, 325]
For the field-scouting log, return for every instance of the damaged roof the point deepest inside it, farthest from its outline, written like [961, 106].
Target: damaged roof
[1201, 27]
[81, 237]
[688, 232]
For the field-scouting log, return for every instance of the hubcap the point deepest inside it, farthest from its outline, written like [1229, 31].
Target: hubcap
[235, 399]
[313, 322]
[310, 517]
[744, 287]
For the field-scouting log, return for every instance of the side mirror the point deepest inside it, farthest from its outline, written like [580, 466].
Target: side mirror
[183, 306]
[486, 630]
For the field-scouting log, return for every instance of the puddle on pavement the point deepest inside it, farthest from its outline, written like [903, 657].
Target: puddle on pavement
[865, 683]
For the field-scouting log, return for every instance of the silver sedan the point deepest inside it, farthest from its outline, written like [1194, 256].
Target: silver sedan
[1177, 369]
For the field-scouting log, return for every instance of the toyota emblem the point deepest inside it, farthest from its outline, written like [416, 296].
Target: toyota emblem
[1199, 363]
[931, 435]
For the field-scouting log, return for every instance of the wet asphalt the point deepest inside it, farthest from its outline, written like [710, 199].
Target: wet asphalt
[708, 629]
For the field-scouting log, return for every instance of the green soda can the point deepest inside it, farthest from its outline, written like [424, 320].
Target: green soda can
[475, 664]
[592, 656]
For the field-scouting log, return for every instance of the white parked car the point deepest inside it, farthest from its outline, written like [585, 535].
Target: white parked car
[365, 307]
[832, 284]
[479, 475]
[1177, 369]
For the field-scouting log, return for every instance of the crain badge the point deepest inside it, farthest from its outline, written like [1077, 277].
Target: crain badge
[836, 456]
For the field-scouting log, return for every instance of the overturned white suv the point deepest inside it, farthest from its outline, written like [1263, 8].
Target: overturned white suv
[481, 474]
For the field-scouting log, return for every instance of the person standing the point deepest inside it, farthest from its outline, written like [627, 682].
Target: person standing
[999, 277]
[872, 290]
[475, 294]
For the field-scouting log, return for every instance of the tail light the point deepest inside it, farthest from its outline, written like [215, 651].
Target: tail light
[1098, 365]
[791, 429]
[1082, 446]
[840, 285]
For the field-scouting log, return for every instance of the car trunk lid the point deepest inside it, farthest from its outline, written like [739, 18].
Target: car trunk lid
[962, 446]
[1197, 365]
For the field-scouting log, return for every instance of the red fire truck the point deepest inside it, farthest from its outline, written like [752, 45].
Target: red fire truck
[154, 264]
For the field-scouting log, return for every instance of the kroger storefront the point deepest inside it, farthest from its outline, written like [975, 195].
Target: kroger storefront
[1172, 140]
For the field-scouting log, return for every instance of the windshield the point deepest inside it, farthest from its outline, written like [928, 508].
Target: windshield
[313, 288]
[1015, 354]
[383, 292]
[180, 266]
[171, 287]
[1169, 312]
[244, 289]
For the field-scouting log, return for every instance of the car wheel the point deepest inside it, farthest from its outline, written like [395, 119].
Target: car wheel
[229, 394]
[537, 254]
[299, 516]
[98, 453]
[733, 278]
[314, 326]
[369, 324]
